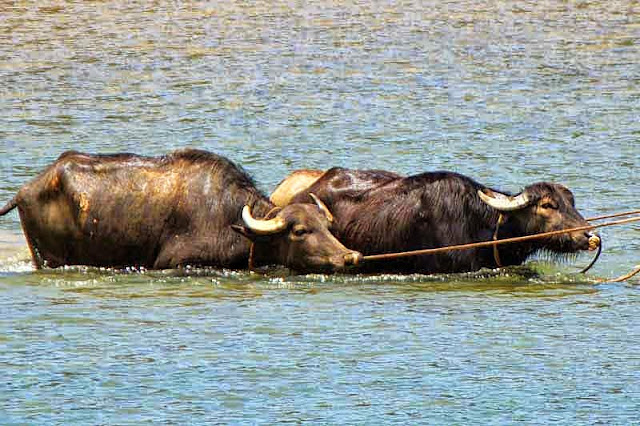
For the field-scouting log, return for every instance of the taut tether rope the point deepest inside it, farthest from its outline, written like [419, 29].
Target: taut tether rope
[496, 242]
[609, 216]
[622, 277]
[492, 243]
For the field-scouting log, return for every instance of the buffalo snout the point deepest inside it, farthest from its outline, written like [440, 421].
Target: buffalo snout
[594, 241]
[580, 240]
[342, 261]
[353, 258]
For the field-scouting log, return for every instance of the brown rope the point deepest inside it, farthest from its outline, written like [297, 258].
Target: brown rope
[623, 277]
[496, 254]
[609, 216]
[492, 243]
[251, 256]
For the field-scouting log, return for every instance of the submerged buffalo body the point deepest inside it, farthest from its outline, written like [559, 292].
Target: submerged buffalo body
[190, 207]
[377, 212]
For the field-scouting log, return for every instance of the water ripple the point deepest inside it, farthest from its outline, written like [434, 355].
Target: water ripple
[507, 92]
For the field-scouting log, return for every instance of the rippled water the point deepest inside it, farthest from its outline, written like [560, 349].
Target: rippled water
[507, 92]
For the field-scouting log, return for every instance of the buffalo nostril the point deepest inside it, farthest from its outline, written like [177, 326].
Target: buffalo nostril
[352, 258]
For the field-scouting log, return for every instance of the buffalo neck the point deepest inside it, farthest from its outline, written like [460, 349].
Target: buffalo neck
[262, 251]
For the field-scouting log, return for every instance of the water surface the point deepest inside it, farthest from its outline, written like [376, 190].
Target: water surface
[507, 92]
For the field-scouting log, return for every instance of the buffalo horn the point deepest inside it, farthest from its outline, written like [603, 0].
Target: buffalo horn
[323, 208]
[504, 202]
[262, 227]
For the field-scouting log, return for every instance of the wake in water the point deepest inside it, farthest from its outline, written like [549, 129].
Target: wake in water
[15, 258]
[14, 253]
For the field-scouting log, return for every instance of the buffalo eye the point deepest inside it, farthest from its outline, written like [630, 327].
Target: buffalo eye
[299, 231]
[548, 205]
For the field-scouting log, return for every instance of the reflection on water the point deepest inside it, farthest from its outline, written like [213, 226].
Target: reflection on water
[507, 92]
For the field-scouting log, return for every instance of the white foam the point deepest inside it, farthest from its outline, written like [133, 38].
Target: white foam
[14, 253]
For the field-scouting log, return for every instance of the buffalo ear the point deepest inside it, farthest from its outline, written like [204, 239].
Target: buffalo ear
[248, 233]
[244, 231]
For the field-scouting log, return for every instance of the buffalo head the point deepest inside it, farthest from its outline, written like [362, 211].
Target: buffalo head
[298, 236]
[544, 207]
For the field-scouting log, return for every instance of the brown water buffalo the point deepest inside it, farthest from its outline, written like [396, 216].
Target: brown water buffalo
[376, 212]
[186, 208]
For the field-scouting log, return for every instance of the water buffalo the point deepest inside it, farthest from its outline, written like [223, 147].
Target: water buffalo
[377, 212]
[189, 207]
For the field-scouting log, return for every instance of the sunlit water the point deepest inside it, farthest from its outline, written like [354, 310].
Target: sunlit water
[509, 93]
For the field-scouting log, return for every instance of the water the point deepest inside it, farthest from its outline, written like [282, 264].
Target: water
[507, 92]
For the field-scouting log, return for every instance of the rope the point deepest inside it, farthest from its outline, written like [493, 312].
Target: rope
[496, 254]
[622, 277]
[251, 256]
[595, 258]
[609, 216]
[492, 243]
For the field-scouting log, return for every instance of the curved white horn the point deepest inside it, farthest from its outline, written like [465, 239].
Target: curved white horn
[262, 227]
[504, 202]
[323, 208]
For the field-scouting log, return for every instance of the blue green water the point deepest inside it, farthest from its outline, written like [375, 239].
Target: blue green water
[507, 92]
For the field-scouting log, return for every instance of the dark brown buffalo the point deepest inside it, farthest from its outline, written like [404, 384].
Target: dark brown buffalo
[185, 208]
[377, 212]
